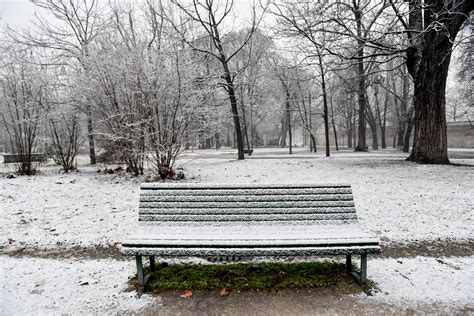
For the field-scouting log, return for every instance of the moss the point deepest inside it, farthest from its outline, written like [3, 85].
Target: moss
[242, 277]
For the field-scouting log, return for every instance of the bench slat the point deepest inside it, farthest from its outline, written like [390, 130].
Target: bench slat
[247, 198]
[236, 243]
[221, 186]
[252, 251]
[249, 217]
[228, 192]
[264, 204]
[177, 211]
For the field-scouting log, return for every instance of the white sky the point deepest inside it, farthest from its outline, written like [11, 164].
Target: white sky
[16, 12]
[19, 12]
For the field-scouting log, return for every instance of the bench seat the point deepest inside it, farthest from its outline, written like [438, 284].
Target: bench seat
[249, 239]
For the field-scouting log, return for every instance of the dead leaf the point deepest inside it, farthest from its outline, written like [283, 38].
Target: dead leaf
[187, 294]
[224, 292]
[11, 240]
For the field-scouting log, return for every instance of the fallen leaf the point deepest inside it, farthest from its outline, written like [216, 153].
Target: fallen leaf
[187, 293]
[11, 240]
[224, 292]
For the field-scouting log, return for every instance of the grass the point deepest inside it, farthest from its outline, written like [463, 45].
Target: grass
[261, 276]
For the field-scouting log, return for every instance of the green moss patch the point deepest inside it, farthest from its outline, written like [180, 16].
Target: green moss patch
[261, 276]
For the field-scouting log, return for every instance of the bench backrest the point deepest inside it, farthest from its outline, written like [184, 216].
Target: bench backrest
[198, 202]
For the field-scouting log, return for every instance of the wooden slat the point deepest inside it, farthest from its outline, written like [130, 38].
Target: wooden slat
[253, 252]
[247, 217]
[229, 192]
[277, 204]
[234, 243]
[219, 186]
[176, 211]
[247, 198]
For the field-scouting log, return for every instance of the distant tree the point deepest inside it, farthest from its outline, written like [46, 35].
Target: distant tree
[21, 106]
[76, 25]
[210, 17]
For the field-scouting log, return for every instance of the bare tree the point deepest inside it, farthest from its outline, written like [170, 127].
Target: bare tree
[211, 16]
[22, 112]
[76, 25]
[431, 30]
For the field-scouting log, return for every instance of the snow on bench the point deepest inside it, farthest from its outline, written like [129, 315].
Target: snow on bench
[184, 220]
[17, 158]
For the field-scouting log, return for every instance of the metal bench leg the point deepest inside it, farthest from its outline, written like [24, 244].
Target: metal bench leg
[361, 277]
[141, 275]
[348, 263]
[152, 263]
[363, 269]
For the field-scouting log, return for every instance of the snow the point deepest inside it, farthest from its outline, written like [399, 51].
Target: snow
[400, 202]
[35, 286]
[32, 286]
[412, 281]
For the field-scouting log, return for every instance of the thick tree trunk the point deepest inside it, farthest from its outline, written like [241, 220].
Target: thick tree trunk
[429, 73]
[430, 144]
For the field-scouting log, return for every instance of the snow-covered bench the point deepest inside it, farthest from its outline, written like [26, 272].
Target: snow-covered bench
[185, 220]
[16, 158]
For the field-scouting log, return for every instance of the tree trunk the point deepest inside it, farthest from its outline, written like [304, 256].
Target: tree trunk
[407, 134]
[361, 83]
[430, 144]
[334, 126]
[242, 106]
[375, 142]
[288, 117]
[313, 142]
[284, 130]
[403, 117]
[90, 135]
[325, 102]
[383, 137]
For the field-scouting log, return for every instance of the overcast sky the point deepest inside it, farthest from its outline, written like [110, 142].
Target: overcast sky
[19, 12]
[16, 12]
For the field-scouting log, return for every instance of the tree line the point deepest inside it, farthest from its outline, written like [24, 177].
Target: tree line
[143, 82]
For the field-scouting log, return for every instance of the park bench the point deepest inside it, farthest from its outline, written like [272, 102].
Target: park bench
[16, 158]
[257, 220]
[248, 152]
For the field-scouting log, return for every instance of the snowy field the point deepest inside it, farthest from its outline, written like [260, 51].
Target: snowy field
[401, 202]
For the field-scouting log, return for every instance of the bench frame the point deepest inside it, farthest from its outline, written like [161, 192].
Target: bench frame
[346, 248]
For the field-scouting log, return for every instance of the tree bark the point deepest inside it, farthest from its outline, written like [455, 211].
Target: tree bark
[90, 135]
[430, 144]
[288, 117]
[361, 141]
[407, 134]
[429, 73]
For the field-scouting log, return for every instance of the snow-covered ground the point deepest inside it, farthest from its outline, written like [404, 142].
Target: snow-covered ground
[399, 201]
